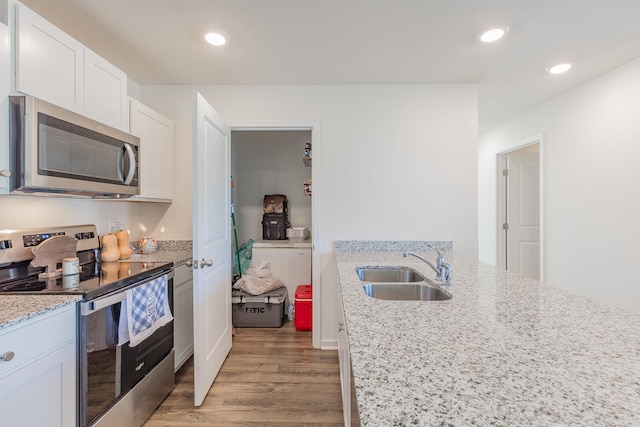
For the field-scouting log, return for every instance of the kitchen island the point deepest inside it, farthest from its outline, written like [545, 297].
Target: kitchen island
[504, 350]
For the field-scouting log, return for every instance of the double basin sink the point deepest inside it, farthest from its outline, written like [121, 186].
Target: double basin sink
[399, 283]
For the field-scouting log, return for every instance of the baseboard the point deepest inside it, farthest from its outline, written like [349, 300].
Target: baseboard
[329, 344]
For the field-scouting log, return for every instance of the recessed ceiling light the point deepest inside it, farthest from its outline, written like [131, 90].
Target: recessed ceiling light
[559, 69]
[215, 39]
[493, 34]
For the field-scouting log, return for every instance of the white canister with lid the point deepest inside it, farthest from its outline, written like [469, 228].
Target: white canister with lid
[70, 266]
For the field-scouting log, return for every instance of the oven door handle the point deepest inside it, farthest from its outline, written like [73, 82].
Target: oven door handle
[89, 307]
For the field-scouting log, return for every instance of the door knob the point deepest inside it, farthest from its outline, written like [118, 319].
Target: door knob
[6, 357]
[5, 173]
[205, 263]
[189, 263]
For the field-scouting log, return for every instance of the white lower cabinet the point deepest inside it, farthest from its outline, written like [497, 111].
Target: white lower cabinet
[183, 314]
[349, 404]
[290, 264]
[38, 384]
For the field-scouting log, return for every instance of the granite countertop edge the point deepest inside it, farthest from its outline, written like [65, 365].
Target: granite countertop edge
[505, 350]
[15, 309]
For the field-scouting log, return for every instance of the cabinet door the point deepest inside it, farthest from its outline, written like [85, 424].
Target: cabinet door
[5, 83]
[105, 92]
[344, 360]
[156, 169]
[42, 373]
[183, 314]
[49, 62]
[49, 383]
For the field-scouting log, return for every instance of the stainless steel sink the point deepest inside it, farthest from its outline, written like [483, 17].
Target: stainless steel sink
[405, 291]
[389, 274]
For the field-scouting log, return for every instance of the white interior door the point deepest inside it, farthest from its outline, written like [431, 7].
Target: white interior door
[211, 243]
[523, 213]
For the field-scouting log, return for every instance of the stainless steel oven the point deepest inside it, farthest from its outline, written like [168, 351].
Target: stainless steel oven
[53, 150]
[116, 376]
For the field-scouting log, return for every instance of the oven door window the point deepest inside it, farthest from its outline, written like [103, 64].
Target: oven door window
[103, 360]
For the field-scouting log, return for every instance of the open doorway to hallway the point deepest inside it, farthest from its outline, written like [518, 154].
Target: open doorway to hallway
[519, 210]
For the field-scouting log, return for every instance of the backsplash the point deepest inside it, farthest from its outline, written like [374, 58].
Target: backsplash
[391, 245]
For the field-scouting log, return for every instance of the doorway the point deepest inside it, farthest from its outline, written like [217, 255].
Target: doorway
[519, 210]
[279, 160]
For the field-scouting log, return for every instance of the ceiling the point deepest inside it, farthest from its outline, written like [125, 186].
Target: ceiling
[360, 42]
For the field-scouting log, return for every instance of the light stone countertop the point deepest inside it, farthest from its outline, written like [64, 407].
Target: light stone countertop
[504, 351]
[176, 251]
[18, 308]
[175, 256]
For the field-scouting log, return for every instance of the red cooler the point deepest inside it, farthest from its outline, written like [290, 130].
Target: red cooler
[304, 309]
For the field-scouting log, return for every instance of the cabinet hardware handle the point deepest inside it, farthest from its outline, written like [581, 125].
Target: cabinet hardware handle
[7, 356]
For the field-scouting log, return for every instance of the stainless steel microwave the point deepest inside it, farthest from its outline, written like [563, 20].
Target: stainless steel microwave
[54, 151]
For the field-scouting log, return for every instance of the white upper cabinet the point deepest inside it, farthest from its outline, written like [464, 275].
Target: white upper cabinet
[5, 87]
[51, 65]
[156, 169]
[105, 91]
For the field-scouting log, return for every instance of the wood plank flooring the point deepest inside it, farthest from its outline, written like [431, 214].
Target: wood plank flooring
[272, 377]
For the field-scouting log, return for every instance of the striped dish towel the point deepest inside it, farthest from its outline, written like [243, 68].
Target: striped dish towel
[144, 310]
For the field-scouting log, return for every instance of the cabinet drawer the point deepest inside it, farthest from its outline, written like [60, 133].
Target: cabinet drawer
[37, 337]
[182, 274]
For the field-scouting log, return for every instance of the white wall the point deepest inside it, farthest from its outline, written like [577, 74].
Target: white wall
[589, 163]
[269, 162]
[393, 162]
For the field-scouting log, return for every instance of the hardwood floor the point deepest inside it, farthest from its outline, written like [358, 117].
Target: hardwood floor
[272, 377]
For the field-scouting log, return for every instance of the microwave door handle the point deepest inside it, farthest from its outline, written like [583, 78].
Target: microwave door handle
[120, 164]
[132, 164]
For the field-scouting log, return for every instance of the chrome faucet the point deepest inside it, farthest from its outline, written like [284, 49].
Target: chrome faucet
[442, 268]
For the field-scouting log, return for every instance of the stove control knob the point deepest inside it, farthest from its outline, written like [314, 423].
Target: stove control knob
[5, 244]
